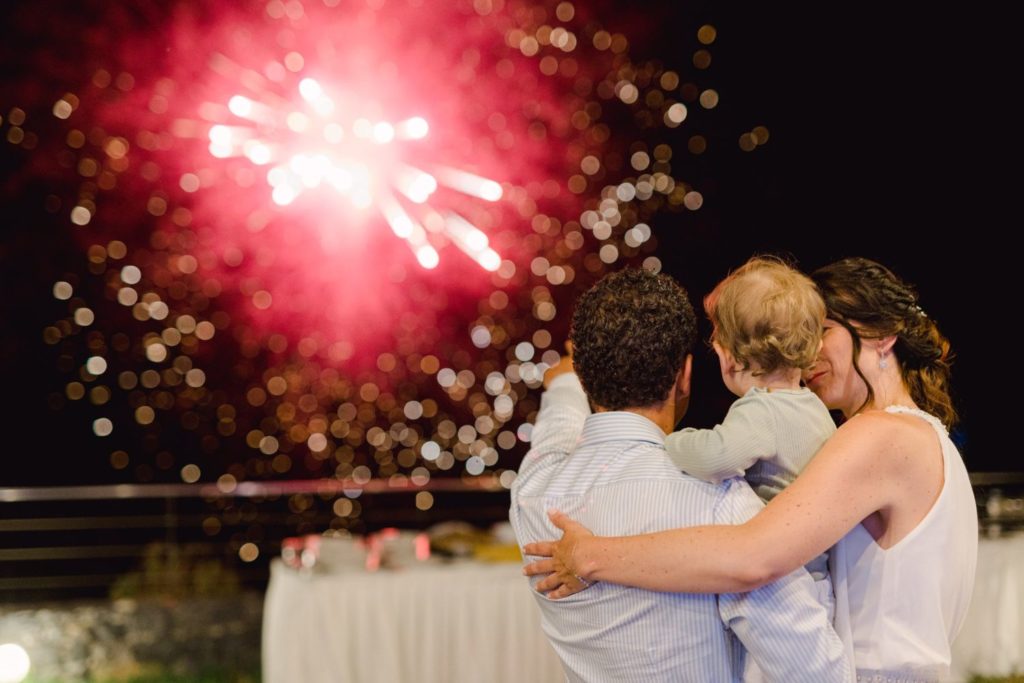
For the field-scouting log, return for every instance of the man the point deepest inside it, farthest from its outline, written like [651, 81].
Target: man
[631, 339]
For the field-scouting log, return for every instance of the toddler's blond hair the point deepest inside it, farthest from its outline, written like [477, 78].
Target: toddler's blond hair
[767, 315]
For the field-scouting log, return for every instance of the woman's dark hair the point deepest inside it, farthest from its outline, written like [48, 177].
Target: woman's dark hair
[871, 302]
[631, 333]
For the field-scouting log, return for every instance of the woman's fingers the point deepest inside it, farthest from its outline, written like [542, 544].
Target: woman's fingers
[564, 591]
[539, 567]
[549, 583]
[560, 519]
[541, 549]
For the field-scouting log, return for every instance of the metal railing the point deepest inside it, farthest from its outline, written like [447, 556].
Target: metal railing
[67, 542]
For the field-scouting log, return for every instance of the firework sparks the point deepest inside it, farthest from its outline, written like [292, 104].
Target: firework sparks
[239, 196]
[363, 160]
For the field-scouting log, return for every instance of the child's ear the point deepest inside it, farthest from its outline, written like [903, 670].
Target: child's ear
[724, 357]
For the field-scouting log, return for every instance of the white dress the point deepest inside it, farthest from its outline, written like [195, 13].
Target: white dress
[899, 609]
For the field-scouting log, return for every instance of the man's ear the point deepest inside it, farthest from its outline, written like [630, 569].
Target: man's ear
[683, 378]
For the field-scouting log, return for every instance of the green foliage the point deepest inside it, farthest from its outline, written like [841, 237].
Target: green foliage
[177, 571]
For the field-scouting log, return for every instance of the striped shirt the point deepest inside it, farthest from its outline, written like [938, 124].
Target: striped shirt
[768, 437]
[619, 481]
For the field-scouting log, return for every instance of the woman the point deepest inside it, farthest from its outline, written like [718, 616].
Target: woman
[889, 490]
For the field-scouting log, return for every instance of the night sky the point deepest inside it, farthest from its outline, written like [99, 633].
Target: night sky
[879, 147]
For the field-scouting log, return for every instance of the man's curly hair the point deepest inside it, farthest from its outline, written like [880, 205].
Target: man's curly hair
[631, 333]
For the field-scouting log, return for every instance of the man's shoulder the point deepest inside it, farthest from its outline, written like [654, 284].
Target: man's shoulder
[638, 469]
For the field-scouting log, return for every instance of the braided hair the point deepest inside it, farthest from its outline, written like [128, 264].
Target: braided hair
[869, 301]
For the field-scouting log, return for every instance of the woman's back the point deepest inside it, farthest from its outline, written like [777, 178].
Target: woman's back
[900, 607]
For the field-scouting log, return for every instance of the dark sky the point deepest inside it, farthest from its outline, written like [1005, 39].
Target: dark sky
[882, 144]
[884, 136]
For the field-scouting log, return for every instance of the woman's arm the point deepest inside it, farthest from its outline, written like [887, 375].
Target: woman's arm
[849, 479]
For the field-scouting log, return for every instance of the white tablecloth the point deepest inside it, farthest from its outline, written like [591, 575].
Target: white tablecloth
[478, 622]
[992, 640]
[433, 624]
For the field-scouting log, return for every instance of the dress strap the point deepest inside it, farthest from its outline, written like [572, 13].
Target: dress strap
[927, 417]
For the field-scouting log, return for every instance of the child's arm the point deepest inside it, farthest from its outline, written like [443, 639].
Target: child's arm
[746, 435]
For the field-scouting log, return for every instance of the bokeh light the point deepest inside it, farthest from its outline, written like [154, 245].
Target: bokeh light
[320, 242]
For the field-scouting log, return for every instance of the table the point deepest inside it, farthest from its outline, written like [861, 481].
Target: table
[478, 622]
[991, 642]
[466, 621]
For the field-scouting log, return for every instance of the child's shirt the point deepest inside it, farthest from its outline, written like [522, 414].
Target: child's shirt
[768, 437]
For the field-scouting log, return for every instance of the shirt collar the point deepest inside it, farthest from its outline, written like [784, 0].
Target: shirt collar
[620, 425]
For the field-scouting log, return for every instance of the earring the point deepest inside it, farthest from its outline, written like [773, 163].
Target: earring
[883, 361]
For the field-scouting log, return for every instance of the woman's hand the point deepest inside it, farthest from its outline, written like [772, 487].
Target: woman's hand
[564, 576]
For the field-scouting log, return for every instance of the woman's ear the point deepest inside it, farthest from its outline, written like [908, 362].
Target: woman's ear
[884, 344]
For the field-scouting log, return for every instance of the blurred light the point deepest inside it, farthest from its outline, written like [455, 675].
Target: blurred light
[640, 160]
[413, 410]
[190, 474]
[248, 552]
[415, 128]
[195, 378]
[62, 290]
[80, 215]
[84, 317]
[156, 352]
[709, 99]
[415, 184]
[693, 200]
[480, 336]
[675, 114]
[427, 256]
[652, 263]
[469, 183]
[131, 275]
[524, 351]
[383, 133]
[430, 450]
[102, 427]
[310, 90]
[489, 259]
[297, 122]
[239, 106]
[62, 109]
[14, 663]
[706, 34]
[524, 432]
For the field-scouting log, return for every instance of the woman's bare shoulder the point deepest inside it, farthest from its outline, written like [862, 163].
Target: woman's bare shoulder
[895, 438]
